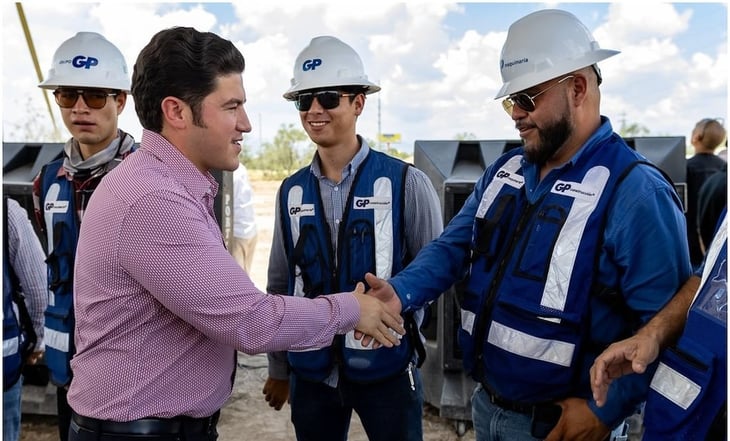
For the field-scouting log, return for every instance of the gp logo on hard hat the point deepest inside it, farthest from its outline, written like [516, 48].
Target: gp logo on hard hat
[311, 64]
[85, 62]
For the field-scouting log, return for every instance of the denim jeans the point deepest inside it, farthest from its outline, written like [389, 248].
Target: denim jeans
[11, 411]
[492, 423]
[389, 411]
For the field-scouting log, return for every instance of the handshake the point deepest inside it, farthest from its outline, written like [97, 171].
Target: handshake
[379, 313]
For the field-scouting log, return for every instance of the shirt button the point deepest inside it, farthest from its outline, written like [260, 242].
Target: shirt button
[337, 221]
[336, 189]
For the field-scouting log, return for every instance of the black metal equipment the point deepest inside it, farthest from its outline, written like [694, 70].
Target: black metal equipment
[454, 167]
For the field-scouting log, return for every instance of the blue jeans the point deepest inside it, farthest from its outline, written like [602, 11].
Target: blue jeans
[11, 411]
[389, 411]
[492, 423]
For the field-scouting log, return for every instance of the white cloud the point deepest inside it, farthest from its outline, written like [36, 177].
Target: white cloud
[437, 80]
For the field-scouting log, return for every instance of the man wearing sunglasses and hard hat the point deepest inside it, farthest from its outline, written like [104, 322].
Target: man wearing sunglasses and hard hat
[90, 82]
[569, 243]
[353, 210]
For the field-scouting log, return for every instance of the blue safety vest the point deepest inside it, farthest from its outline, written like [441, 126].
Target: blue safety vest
[62, 228]
[370, 239]
[58, 199]
[13, 338]
[689, 388]
[525, 318]
[18, 334]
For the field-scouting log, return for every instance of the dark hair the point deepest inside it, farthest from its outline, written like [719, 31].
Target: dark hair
[184, 63]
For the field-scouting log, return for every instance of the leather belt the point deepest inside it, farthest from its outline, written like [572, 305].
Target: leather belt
[149, 426]
[514, 406]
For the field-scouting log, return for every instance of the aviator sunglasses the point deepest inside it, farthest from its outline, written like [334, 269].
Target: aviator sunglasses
[525, 101]
[328, 99]
[94, 99]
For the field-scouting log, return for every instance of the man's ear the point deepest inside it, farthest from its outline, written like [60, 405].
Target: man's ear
[174, 112]
[359, 103]
[120, 100]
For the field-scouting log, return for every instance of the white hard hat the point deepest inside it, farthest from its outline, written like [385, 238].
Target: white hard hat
[88, 60]
[328, 62]
[544, 45]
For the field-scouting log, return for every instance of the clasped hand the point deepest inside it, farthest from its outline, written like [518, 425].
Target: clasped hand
[381, 290]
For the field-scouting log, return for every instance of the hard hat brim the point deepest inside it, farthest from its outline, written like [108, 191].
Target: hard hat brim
[533, 79]
[74, 82]
[294, 90]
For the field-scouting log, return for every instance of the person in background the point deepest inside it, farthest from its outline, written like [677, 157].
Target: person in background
[555, 249]
[707, 135]
[161, 306]
[25, 297]
[90, 82]
[687, 399]
[353, 210]
[243, 241]
[711, 201]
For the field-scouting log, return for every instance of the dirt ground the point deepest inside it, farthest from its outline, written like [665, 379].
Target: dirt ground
[247, 416]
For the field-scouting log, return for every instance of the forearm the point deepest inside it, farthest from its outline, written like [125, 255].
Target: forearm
[666, 326]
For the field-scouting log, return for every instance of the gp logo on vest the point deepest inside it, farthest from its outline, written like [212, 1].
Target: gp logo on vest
[371, 203]
[311, 64]
[562, 188]
[302, 210]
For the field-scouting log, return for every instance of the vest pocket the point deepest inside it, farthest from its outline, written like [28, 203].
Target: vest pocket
[537, 251]
[61, 260]
[677, 390]
[490, 232]
[360, 250]
[308, 257]
[529, 357]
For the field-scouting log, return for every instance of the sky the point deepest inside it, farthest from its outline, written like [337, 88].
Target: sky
[437, 62]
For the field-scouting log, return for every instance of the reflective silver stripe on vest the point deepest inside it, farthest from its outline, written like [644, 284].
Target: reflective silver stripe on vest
[382, 205]
[506, 175]
[526, 345]
[56, 339]
[715, 248]
[295, 210]
[51, 206]
[10, 346]
[586, 195]
[674, 386]
[467, 320]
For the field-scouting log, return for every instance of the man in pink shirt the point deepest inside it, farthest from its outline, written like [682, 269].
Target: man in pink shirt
[161, 306]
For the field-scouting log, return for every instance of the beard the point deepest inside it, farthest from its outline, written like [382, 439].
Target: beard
[551, 139]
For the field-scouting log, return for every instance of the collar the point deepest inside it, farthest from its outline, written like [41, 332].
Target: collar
[197, 183]
[604, 131]
[351, 168]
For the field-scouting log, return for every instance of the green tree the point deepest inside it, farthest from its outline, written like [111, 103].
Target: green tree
[288, 152]
[465, 136]
[631, 129]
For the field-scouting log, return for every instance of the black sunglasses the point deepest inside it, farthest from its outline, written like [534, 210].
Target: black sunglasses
[328, 99]
[95, 99]
[525, 101]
